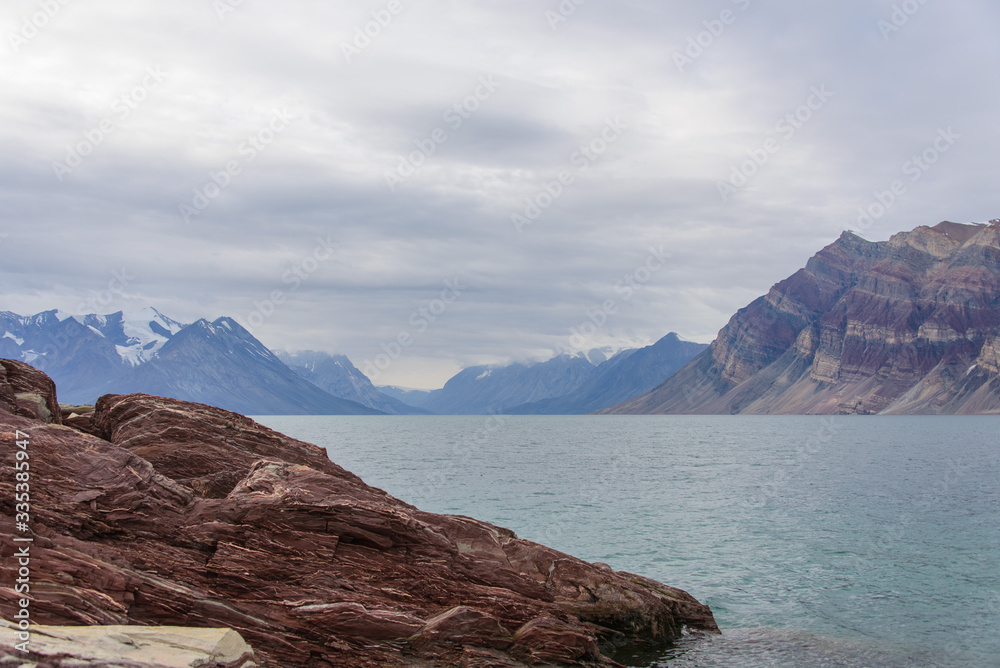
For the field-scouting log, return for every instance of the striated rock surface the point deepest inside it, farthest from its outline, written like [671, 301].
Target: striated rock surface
[26, 391]
[908, 325]
[177, 514]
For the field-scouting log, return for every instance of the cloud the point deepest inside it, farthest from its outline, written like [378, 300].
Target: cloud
[557, 86]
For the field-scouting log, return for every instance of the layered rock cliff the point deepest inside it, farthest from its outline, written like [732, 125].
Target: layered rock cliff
[178, 514]
[908, 325]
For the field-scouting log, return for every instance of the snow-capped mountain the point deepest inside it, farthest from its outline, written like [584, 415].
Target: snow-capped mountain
[218, 363]
[137, 335]
[45, 338]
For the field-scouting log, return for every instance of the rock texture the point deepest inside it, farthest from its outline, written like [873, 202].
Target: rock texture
[126, 647]
[26, 391]
[179, 514]
[908, 325]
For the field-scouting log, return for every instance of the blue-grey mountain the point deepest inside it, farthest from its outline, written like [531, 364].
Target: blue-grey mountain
[217, 363]
[624, 376]
[481, 390]
[337, 375]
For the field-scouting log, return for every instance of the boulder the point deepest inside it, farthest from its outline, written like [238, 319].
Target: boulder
[126, 647]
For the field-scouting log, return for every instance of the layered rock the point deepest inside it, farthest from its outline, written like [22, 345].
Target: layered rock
[26, 391]
[901, 326]
[179, 514]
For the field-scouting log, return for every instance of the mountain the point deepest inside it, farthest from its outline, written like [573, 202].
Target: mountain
[410, 397]
[217, 363]
[482, 390]
[221, 364]
[908, 325]
[337, 375]
[624, 376]
[79, 351]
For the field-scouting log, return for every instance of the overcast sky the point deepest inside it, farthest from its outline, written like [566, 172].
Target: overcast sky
[354, 191]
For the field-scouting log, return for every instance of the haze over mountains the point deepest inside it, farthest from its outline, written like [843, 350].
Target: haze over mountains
[908, 325]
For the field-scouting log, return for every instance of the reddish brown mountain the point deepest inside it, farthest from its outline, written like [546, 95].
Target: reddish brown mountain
[154, 511]
[908, 325]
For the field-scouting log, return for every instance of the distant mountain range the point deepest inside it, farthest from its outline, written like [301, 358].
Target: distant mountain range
[908, 325]
[564, 385]
[217, 363]
[628, 374]
[221, 364]
[337, 375]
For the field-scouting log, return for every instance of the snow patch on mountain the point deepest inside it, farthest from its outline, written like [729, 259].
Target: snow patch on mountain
[18, 341]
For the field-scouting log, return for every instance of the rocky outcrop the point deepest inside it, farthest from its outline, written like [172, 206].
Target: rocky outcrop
[179, 514]
[907, 325]
[26, 391]
[126, 647]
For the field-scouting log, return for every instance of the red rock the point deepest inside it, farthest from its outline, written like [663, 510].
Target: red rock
[26, 391]
[185, 515]
[897, 326]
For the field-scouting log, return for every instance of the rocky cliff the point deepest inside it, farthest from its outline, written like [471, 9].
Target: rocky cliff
[160, 512]
[908, 325]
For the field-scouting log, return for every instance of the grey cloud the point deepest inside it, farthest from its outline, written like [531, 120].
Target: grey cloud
[325, 176]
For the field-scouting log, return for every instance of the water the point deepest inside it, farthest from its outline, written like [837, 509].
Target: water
[855, 542]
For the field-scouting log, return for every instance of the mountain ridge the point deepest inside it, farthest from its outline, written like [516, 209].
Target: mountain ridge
[908, 325]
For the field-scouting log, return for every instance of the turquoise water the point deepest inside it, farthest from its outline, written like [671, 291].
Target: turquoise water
[817, 541]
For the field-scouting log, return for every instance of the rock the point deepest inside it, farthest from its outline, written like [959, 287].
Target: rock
[80, 418]
[179, 514]
[24, 390]
[899, 326]
[127, 647]
[546, 640]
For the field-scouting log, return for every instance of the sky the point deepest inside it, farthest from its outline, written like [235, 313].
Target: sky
[425, 185]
